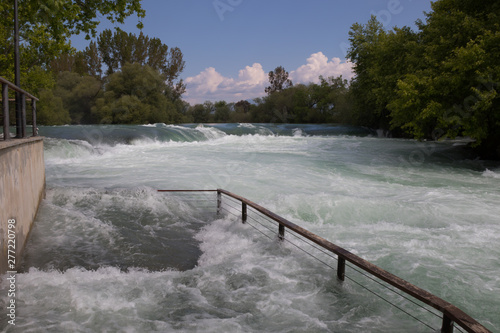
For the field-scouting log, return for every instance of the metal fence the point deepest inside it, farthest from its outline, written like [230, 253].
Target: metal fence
[269, 223]
[20, 111]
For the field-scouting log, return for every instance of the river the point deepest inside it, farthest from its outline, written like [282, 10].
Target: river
[108, 253]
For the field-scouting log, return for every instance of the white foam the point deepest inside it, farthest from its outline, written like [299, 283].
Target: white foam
[491, 174]
[211, 133]
[427, 222]
[297, 132]
[246, 125]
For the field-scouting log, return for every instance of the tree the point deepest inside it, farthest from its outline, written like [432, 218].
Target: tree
[50, 110]
[45, 28]
[455, 91]
[119, 48]
[243, 106]
[279, 80]
[222, 111]
[326, 102]
[93, 60]
[135, 95]
[365, 53]
[200, 114]
[441, 81]
[78, 94]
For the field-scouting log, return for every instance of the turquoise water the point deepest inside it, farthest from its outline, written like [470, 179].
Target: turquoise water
[110, 253]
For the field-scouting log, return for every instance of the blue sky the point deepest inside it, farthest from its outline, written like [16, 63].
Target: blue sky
[230, 45]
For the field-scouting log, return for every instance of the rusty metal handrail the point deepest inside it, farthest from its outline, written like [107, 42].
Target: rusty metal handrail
[451, 314]
[20, 119]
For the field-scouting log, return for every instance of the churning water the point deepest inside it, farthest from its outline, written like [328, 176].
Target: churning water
[108, 253]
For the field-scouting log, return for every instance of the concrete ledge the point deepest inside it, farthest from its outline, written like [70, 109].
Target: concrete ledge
[22, 187]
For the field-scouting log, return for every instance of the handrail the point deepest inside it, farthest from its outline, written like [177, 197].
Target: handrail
[451, 314]
[21, 113]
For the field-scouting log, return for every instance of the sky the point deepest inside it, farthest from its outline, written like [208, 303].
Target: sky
[230, 46]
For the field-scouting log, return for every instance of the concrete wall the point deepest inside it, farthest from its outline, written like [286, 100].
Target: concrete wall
[22, 187]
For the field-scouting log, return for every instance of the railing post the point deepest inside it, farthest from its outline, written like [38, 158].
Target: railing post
[17, 72]
[19, 116]
[23, 113]
[5, 107]
[33, 114]
[447, 326]
[219, 202]
[341, 269]
[243, 212]
[281, 232]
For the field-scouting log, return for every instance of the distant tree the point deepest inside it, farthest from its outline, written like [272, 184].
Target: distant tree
[78, 94]
[326, 102]
[119, 48]
[50, 109]
[279, 80]
[331, 99]
[243, 106]
[222, 111]
[135, 95]
[200, 113]
[93, 60]
[209, 108]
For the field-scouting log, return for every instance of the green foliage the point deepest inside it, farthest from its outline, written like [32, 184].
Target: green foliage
[326, 102]
[456, 88]
[242, 112]
[45, 28]
[119, 48]
[279, 80]
[142, 86]
[200, 113]
[133, 91]
[135, 95]
[78, 94]
[439, 82]
[222, 111]
[380, 59]
[50, 109]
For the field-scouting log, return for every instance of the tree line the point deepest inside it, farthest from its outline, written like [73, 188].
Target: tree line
[440, 81]
[120, 78]
[325, 102]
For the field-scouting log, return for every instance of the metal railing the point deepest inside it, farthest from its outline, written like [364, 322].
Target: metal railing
[450, 314]
[20, 112]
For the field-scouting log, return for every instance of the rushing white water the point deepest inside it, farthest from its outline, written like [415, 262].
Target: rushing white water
[110, 253]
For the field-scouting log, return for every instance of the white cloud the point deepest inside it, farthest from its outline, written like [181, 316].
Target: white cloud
[207, 81]
[251, 76]
[252, 80]
[211, 85]
[318, 64]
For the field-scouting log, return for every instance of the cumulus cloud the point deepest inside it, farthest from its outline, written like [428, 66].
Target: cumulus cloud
[211, 85]
[207, 81]
[252, 80]
[251, 76]
[318, 64]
